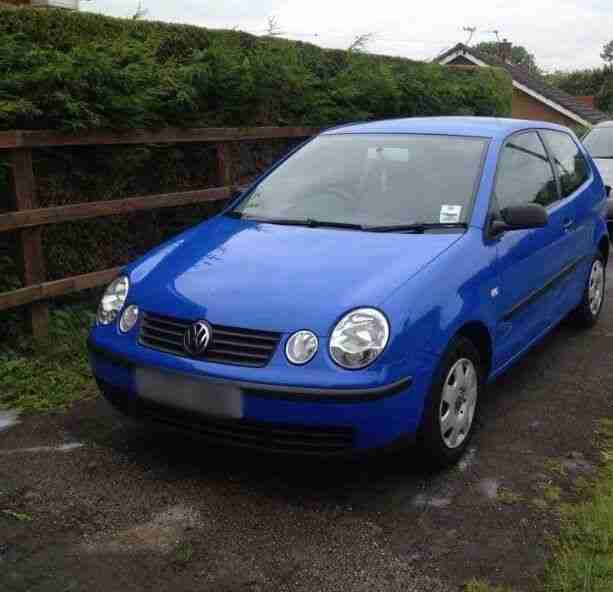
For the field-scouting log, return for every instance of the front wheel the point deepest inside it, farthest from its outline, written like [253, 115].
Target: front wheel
[449, 416]
[587, 313]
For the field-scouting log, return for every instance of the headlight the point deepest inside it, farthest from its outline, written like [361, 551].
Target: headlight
[359, 338]
[301, 347]
[128, 318]
[113, 300]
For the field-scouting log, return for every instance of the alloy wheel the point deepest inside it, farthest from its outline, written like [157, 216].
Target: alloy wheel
[458, 403]
[596, 287]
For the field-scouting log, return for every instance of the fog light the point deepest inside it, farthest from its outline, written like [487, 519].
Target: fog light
[301, 347]
[128, 318]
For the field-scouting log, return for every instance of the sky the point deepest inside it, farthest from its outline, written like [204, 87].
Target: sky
[562, 34]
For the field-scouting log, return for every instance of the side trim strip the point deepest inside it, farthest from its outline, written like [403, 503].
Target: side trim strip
[556, 279]
[291, 393]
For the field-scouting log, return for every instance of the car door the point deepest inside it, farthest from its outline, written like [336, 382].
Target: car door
[578, 198]
[528, 261]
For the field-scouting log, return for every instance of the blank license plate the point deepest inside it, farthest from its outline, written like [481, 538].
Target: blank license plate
[191, 394]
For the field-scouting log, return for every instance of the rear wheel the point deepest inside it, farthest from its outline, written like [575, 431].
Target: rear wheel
[587, 313]
[449, 417]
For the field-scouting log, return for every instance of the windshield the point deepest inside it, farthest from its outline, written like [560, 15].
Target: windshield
[370, 180]
[599, 142]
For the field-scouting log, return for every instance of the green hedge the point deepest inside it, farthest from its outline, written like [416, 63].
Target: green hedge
[78, 71]
[75, 70]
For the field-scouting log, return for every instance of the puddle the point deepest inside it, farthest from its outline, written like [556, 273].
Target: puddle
[468, 460]
[162, 533]
[423, 501]
[578, 466]
[36, 449]
[489, 488]
[8, 419]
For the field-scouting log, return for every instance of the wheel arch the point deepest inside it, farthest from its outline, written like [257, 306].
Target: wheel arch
[479, 335]
[604, 247]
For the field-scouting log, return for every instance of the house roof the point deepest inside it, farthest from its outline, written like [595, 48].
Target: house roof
[530, 83]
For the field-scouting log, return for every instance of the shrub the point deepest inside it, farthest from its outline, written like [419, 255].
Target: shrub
[77, 71]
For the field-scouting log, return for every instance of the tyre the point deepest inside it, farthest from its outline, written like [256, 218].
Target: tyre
[451, 407]
[587, 313]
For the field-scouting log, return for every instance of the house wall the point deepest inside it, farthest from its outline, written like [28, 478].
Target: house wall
[526, 107]
[462, 61]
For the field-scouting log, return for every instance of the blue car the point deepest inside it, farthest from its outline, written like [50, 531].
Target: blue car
[363, 291]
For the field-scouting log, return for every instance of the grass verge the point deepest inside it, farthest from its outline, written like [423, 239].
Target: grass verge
[582, 557]
[583, 553]
[48, 376]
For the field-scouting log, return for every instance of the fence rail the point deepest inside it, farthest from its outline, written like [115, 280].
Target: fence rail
[45, 138]
[28, 218]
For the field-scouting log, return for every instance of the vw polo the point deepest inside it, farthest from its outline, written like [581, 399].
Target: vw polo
[363, 291]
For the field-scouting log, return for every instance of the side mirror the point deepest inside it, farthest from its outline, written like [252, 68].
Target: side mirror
[607, 190]
[520, 218]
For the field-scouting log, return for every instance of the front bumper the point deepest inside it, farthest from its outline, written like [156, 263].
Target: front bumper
[275, 417]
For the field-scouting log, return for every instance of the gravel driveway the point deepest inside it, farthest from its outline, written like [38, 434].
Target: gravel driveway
[88, 504]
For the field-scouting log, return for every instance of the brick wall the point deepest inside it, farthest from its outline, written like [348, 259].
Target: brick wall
[526, 107]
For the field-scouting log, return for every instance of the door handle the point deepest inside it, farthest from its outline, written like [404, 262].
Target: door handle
[568, 224]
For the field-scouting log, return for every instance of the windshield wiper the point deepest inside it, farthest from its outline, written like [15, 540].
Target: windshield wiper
[330, 224]
[416, 228]
[309, 222]
[243, 216]
[602, 157]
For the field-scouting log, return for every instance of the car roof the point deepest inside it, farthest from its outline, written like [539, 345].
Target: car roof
[486, 127]
[605, 124]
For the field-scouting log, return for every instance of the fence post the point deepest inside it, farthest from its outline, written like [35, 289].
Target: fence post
[30, 247]
[224, 164]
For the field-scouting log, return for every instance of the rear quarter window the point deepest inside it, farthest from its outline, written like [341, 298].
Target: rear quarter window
[570, 163]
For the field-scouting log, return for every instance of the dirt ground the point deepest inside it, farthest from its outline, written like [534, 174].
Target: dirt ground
[89, 504]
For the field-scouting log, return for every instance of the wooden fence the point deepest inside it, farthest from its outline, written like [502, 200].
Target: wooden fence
[28, 219]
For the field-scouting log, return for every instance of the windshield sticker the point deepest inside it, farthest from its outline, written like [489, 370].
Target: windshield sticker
[450, 214]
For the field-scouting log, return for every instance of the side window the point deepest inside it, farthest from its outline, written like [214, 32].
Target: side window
[524, 173]
[572, 168]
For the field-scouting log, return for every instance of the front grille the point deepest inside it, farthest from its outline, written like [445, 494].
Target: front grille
[238, 432]
[251, 434]
[229, 345]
